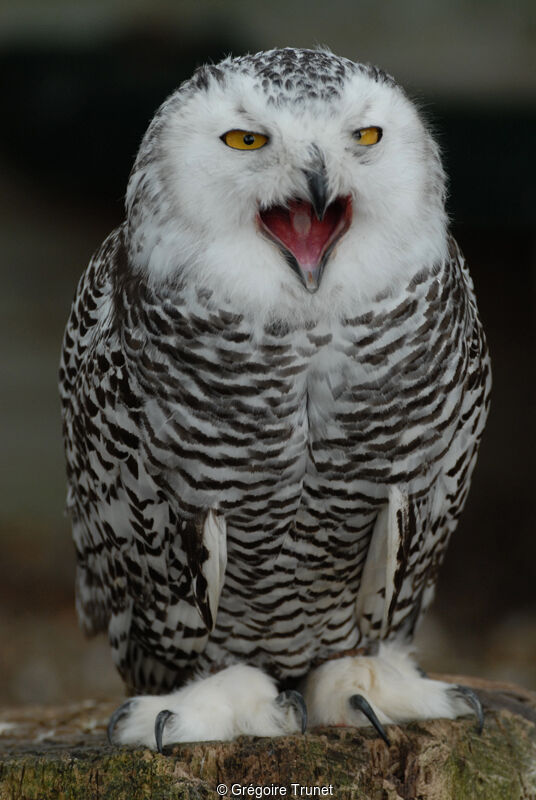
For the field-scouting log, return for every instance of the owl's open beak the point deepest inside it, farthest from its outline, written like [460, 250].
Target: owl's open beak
[306, 232]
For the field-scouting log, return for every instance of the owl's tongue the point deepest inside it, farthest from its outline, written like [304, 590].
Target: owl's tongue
[305, 236]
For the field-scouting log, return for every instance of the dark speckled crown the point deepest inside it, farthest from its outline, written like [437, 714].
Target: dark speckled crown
[291, 75]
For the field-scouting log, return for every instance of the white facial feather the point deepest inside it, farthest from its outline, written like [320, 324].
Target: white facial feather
[193, 200]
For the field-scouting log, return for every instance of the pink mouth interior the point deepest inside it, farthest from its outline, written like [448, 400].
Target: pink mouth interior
[300, 232]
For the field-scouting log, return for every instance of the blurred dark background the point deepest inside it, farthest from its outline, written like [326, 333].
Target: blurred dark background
[78, 86]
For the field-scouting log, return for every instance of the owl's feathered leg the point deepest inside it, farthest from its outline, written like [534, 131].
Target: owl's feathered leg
[343, 691]
[237, 700]
[287, 699]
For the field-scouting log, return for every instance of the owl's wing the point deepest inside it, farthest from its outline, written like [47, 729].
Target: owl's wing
[412, 531]
[148, 571]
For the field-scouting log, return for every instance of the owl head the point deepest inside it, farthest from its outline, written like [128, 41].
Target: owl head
[290, 183]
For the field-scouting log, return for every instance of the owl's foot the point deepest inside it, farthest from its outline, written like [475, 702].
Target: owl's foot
[238, 700]
[383, 689]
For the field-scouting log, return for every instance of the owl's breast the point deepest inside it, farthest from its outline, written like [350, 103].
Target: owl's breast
[249, 421]
[384, 398]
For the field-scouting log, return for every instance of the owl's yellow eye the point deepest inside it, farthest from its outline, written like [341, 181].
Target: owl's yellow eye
[368, 136]
[244, 140]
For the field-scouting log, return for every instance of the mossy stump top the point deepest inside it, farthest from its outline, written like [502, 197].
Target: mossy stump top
[61, 753]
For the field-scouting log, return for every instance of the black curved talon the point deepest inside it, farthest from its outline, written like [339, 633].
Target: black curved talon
[290, 697]
[421, 671]
[159, 725]
[358, 702]
[472, 700]
[118, 714]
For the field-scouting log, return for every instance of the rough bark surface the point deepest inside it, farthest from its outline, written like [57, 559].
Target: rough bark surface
[62, 754]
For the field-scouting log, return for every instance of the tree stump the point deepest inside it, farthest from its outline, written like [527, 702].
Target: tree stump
[62, 754]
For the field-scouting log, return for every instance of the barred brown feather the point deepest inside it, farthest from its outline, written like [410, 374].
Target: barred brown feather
[170, 411]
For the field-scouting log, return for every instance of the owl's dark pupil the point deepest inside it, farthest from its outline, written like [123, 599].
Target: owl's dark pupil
[249, 138]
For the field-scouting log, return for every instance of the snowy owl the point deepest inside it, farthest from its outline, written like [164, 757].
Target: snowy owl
[274, 382]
